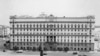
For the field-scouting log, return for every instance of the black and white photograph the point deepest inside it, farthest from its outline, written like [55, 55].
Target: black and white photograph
[49, 27]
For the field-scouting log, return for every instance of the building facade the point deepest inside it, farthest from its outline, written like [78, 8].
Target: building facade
[97, 40]
[4, 31]
[53, 33]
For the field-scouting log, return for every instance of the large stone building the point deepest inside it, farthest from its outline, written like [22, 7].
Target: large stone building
[54, 33]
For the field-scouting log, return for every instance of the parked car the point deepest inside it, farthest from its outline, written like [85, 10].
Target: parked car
[84, 55]
[19, 51]
[4, 50]
[75, 53]
[44, 53]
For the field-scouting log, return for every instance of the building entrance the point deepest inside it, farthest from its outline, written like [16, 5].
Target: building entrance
[51, 43]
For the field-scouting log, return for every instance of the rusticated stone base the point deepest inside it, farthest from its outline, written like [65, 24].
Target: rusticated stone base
[53, 46]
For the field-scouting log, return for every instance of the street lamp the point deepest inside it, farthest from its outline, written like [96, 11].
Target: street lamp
[41, 49]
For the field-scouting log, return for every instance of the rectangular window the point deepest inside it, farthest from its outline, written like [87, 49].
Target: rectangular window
[30, 26]
[78, 26]
[85, 26]
[24, 40]
[37, 25]
[18, 40]
[85, 41]
[30, 40]
[71, 26]
[17, 26]
[58, 25]
[44, 40]
[75, 26]
[90, 40]
[27, 25]
[65, 26]
[13, 40]
[27, 40]
[40, 40]
[82, 41]
[68, 26]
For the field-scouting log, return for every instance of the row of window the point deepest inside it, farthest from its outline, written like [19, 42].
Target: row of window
[50, 40]
[53, 33]
[51, 26]
[69, 44]
[27, 29]
[82, 49]
[55, 37]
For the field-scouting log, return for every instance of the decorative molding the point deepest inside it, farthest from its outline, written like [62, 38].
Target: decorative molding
[52, 22]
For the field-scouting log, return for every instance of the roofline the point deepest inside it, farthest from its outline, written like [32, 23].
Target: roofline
[49, 17]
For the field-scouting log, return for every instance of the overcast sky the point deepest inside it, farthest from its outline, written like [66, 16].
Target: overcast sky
[70, 8]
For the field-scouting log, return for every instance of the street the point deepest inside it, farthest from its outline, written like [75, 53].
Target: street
[49, 53]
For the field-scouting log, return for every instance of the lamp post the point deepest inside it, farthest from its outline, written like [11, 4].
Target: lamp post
[41, 49]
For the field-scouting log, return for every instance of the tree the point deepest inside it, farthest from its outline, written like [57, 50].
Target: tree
[5, 45]
[7, 41]
[66, 49]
